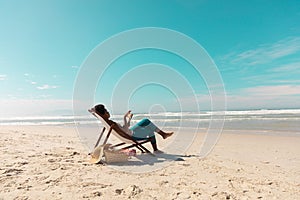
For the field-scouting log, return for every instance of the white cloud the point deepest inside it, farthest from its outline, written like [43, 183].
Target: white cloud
[290, 68]
[265, 53]
[262, 102]
[261, 97]
[74, 67]
[278, 90]
[46, 87]
[32, 107]
[3, 77]
[288, 81]
[279, 96]
[26, 74]
[31, 82]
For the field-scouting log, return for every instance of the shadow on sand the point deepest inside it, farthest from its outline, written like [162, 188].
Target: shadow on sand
[149, 160]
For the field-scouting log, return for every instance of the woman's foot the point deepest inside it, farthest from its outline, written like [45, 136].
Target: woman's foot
[158, 151]
[166, 135]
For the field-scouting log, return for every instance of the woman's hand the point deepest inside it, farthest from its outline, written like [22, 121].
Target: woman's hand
[129, 114]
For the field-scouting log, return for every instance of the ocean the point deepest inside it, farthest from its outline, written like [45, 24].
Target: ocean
[283, 120]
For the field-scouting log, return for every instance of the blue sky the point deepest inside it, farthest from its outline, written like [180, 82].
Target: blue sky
[255, 45]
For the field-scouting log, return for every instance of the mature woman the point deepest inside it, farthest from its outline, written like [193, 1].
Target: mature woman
[144, 129]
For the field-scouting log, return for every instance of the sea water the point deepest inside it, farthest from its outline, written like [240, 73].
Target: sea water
[282, 120]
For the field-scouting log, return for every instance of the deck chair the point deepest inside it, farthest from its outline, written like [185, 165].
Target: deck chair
[125, 141]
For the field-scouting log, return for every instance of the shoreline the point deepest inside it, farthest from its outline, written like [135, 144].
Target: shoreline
[283, 133]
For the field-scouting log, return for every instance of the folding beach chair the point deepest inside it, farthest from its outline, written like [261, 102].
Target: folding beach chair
[125, 141]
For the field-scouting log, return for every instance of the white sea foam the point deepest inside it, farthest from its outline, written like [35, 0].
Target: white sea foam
[283, 120]
[258, 112]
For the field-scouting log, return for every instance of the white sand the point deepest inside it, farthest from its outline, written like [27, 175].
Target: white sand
[39, 162]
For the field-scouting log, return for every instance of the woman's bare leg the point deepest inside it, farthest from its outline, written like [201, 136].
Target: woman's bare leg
[164, 134]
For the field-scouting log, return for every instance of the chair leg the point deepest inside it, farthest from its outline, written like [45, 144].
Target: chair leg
[100, 136]
[142, 147]
[137, 146]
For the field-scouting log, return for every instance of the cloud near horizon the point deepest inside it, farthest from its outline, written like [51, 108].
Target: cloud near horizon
[279, 90]
[33, 107]
[260, 97]
[3, 77]
[46, 87]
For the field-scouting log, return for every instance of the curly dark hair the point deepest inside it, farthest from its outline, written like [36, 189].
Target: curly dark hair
[100, 109]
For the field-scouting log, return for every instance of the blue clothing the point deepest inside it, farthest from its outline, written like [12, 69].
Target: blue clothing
[144, 129]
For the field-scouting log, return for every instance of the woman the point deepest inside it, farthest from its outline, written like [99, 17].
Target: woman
[144, 129]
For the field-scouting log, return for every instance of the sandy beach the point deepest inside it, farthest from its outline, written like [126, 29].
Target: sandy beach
[50, 162]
